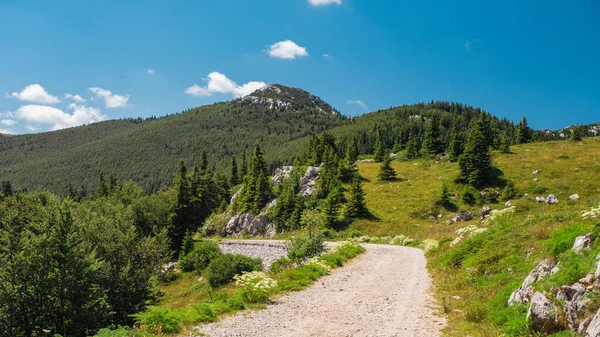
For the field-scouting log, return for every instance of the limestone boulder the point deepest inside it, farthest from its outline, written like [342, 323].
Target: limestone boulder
[543, 314]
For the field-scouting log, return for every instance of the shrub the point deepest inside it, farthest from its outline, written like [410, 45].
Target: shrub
[201, 255]
[204, 313]
[159, 320]
[355, 233]
[221, 270]
[281, 264]
[304, 247]
[469, 195]
[256, 286]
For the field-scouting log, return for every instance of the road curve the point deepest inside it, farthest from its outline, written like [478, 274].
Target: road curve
[383, 292]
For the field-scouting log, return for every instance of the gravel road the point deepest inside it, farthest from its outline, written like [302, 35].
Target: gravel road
[383, 292]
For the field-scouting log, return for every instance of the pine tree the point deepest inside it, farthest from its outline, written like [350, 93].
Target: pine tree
[182, 220]
[204, 162]
[379, 150]
[356, 207]
[455, 147]
[6, 189]
[576, 133]
[476, 163]
[432, 145]
[187, 245]
[234, 178]
[386, 171]
[352, 151]
[243, 168]
[257, 188]
[348, 165]
[505, 143]
[523, 133]
[412, 148]
[331, 207]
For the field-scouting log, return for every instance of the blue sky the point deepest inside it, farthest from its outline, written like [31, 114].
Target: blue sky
[141, 58]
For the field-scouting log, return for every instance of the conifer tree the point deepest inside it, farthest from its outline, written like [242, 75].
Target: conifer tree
[412, 148]
[234, 178]
[432, 145]
[7, 189]
[243, 167]
[523, 133]
[348, 165]
[182, 220]
[576, 133]
[331, 207]
[476, 163]
[386, 171]
[455, 147]
[505, 143]
[257, 188]
[379, 150]
[356, 207]
[204, 163]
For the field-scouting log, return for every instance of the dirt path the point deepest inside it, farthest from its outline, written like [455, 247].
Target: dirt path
[383, 292]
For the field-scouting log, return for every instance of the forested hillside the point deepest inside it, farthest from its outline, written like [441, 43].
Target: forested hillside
[282, 119]
[148, 151]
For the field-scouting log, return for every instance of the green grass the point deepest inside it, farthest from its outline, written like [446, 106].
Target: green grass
[484, 270]
[188, 301]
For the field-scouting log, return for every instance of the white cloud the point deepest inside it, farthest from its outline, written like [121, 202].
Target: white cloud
[31, 127]
[8, 122]
[359, 103]
[58, 119]
[75, 98]
[35, 93]
[324, 2]
[219, 83]
[470, 43]
[287, 50]
[327, 56]
[150, 71]
[111, 100]
[7, 131]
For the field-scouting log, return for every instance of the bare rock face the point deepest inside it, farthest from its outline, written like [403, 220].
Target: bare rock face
[543, 314]
[249, 223]
[573, 303]
[308, 184]
[582, 242]
[523, 294]
[593, 329]
[282, 174]
[465, 216]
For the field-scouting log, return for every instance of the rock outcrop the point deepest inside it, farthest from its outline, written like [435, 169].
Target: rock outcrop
[523, 294]
[582, 242]
[283, 174]
[485, 212]
[543, 314]
[247, 223]
[465, 216]
[308, 182]
[573, 303]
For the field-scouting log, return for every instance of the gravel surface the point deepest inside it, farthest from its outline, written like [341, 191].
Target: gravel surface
[383, 292]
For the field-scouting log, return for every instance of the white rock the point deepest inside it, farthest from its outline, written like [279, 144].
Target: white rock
[537, 172]
[543, 314]
[508, 204]
[551, 199]
[540, 199]
[523, 294]
[582, 242]
[593, 329]
[574, 197]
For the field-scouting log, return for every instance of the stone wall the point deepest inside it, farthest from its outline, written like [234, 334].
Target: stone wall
[268, 251]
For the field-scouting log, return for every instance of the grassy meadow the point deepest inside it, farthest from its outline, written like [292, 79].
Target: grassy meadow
[475, 278]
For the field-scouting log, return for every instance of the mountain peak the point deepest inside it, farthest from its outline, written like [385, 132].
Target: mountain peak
[280, 97]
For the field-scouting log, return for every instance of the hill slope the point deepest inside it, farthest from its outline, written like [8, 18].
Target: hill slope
[148, 151]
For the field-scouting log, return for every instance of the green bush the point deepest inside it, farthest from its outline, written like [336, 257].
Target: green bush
[204, 313]
[304, 247]
[355, 234]
[562, 239]
[159, 320]
[221, 270]
[469, 195]
[281, 264]
[201, 255]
